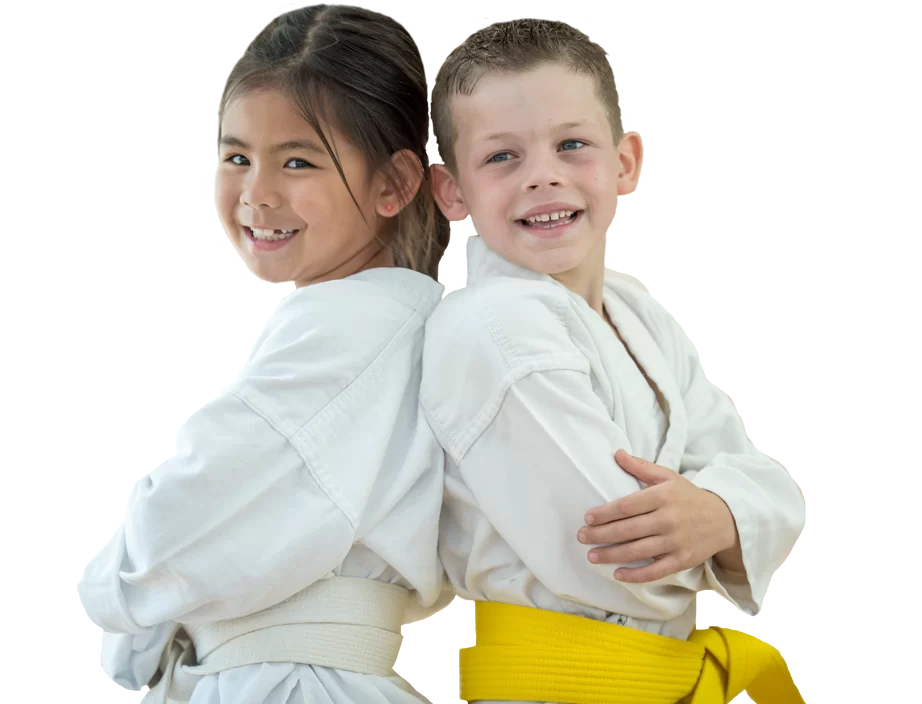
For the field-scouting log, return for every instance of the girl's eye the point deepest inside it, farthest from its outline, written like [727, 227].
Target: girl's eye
[572, 145]
[499, 158]
[296, 163]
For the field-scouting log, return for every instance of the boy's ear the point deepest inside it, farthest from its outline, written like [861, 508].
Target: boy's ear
[447, 193]
[630, 154]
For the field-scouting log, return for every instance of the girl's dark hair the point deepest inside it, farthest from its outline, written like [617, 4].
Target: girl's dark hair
[360, 71]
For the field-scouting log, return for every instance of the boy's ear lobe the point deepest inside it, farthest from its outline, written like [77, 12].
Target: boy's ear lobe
[447, 193]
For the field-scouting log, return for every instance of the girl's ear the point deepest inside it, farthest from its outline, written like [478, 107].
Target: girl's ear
[395, 196]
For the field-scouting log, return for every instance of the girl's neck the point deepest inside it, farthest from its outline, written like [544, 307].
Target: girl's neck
[375, 255]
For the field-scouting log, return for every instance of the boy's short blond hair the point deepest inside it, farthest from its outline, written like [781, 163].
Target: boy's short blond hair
[516, 47]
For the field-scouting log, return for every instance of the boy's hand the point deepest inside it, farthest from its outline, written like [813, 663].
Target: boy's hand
[671, 520]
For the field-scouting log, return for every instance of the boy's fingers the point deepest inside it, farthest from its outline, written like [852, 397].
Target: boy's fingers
[658, 569]
[647, 472]
[621, 531]
[636, 504]
[634, 551]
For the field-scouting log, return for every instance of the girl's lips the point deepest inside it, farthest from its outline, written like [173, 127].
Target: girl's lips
[267, 245]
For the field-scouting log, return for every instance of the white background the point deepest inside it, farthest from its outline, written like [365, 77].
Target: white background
[865, 379]
[137, 376]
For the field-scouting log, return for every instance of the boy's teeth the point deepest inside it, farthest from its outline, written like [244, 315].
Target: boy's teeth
[547, 217]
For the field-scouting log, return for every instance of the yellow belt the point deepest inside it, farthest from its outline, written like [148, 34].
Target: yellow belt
[533, 655]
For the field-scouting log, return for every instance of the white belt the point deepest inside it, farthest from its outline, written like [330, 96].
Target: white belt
[347, 623]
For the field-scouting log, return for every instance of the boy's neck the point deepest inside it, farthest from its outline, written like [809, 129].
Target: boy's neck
[587, 279]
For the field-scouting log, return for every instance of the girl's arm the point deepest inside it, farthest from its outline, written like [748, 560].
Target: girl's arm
[234, 522]
[271, 482]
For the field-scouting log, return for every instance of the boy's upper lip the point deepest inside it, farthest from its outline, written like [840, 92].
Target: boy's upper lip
[547, 210]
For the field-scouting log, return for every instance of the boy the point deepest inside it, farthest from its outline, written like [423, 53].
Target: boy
[546, 365]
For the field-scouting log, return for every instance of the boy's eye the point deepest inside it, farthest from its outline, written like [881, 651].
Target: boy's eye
[572, 145]
[499, 158]
[238, 160]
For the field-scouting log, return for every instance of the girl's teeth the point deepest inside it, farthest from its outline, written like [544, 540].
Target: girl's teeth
[262, 234]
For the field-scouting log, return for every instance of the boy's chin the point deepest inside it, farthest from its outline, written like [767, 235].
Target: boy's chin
[550, 258]
[551, 261]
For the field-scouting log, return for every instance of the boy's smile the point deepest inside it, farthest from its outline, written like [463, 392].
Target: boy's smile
[550, 221]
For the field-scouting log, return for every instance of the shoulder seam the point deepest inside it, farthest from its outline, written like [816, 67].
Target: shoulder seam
[457, 447]
[497, 332]
[367, 374]
[307, 465]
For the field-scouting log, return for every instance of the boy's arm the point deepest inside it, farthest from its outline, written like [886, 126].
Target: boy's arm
[536, 467]
[671, 520]
[767, 505]
[728, 493]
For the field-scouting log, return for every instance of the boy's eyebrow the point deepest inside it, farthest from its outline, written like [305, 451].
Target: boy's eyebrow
[555, 128]
[305, 144]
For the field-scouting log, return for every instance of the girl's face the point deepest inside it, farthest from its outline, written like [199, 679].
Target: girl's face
[282, 201]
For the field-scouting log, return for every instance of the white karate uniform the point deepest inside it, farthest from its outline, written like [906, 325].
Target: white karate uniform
[531, 392]
[314, 462]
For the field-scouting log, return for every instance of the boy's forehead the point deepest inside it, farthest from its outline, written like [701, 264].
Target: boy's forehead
[548, 96]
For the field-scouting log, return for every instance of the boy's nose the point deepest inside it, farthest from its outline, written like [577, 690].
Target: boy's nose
[538, 184]
[543, 173]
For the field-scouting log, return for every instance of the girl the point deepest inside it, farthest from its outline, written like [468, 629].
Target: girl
[275, 556]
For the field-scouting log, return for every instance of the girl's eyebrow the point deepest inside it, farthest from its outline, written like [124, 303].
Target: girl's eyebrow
[305, 144]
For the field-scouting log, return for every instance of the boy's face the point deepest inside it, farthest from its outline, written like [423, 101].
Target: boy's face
[537, 168]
